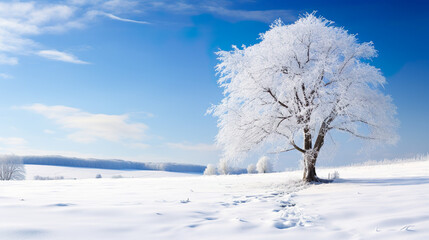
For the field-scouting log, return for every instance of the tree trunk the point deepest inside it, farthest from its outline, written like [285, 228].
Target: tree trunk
[309, 158]
[310, 167]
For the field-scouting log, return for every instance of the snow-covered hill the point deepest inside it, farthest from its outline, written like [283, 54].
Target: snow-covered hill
[389, 201]
[111, 164]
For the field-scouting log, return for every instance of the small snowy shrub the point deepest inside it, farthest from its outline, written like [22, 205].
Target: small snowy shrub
[251, 168]
[11, 168]
[37, 177]
[223, 167]
[98, 176]
[334, 175]
[264, 165]
[210, 170]
[117, 176]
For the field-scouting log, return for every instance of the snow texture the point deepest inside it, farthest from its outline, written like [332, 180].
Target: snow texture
[44, 172]
[367, 202]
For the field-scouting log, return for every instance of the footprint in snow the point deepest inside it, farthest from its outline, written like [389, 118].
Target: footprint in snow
[284, 225]
[407, 228]
[60, 205]
[193, 225]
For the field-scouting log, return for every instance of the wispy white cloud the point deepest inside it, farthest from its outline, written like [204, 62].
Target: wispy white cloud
[12, 141]
[227, 10]
[60, 56]
[94, 13]
[261, 16]
[21, 21]
[88, 127]
[5, 76]
[8, 60]
[112, 5]
[111, 16]
[48, 131]
[203, 147]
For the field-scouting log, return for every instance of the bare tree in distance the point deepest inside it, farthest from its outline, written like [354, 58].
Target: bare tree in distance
[11, 168]
[300, 82]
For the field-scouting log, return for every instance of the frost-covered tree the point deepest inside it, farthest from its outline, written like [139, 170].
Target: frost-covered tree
[210, 170]
[251, 168]
[223, 167]
[11, 168]
[264, 165]
[300, 82]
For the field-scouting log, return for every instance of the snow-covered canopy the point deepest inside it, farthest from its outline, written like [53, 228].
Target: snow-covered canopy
[307, 75]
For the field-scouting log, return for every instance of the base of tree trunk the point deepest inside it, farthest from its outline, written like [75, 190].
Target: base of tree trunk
[310, 179]
[318, 180]
[310, 169]
[310, 175]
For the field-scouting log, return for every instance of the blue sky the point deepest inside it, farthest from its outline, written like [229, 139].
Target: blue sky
[133, 79]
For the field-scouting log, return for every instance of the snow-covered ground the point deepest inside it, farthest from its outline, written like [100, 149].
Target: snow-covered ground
[367, 202]
[83, 173]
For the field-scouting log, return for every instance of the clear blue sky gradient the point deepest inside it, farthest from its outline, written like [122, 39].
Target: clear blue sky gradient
[162, 74]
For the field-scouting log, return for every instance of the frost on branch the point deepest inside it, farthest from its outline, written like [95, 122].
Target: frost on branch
[297, 84]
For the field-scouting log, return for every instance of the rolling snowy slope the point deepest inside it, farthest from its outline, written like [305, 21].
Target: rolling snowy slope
[368, 202]
[53, 172]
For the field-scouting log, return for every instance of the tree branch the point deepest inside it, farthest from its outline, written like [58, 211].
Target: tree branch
[275, 98]
[282, 119]
[286, 150]
[308, 52]
[296, 147]
[355, 134]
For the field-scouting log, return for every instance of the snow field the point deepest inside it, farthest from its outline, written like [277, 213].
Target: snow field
[83, 173]
[367, 202]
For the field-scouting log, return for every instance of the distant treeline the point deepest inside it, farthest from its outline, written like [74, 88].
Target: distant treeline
[111, 164]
